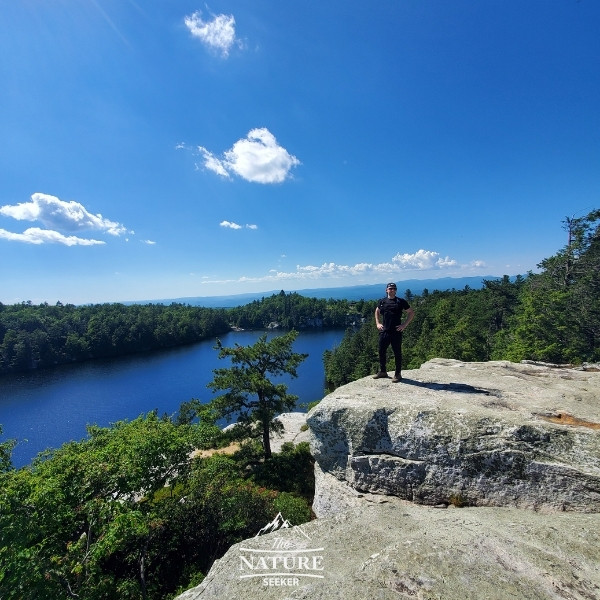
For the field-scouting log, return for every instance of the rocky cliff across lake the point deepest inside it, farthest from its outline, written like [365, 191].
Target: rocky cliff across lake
[466, 480]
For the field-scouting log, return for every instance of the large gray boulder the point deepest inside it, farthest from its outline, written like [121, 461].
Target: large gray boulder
[476, 434]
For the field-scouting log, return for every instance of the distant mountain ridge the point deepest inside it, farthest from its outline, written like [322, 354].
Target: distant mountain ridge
[357, 292]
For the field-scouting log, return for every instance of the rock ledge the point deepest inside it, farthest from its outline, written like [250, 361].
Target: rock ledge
[468, 434]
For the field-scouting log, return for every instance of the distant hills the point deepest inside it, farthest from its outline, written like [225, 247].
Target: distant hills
[357, 292]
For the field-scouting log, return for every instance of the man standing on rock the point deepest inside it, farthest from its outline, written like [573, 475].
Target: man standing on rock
[388, 318]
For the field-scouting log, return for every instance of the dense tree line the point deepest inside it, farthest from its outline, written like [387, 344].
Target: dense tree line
[40, 336]
[558, 316]
[551, 316]
[294, 311]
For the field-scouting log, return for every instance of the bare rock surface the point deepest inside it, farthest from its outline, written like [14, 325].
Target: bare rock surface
[293, 430]
[477, 434]
[397, 549]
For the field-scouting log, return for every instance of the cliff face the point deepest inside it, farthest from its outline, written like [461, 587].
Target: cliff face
[517, 446]
[470, 434]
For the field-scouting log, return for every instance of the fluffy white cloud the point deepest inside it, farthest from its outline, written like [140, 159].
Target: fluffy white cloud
[422, 260]
[230, 225]
[58, 214]
[35, 235]
[218, 34]
[256, 158]
[60, 219]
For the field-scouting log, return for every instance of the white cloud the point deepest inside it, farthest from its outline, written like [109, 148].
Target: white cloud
[149, 242]
[231, 225]
[35, 235]
[60, 215]
[218, 34]
[60, 219]
[420, 261]
[212, 163]
[256, 158]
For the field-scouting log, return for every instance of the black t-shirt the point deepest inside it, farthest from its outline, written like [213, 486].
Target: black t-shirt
[391, 312]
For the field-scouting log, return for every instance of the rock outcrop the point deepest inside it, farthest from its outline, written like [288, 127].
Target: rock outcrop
[399, 550]
[466, 480]
[468, 434]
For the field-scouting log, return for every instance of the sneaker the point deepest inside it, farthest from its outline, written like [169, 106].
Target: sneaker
[381, 375]
[397, 378]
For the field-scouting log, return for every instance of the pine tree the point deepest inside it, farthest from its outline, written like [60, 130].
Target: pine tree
[251, 396]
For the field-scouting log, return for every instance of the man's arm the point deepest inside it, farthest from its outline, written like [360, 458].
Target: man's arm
[377, 323]
[410, 314]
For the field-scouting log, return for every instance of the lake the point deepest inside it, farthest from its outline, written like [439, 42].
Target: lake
[45, 409]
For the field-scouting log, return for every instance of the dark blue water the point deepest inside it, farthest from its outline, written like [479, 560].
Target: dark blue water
[48, 408]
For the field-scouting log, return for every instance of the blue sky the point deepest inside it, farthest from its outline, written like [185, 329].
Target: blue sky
[170, 148]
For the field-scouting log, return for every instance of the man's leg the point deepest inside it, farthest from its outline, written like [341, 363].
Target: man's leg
[396, 342]
[384, 342]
